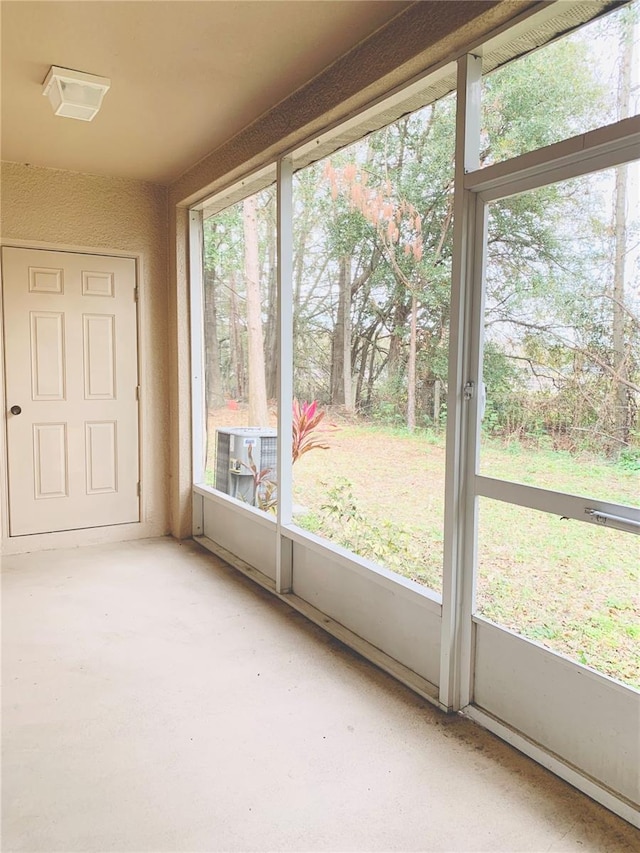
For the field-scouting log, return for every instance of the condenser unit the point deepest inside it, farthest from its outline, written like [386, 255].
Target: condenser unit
[237, 448]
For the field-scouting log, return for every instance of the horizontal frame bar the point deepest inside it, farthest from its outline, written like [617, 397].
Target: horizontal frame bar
[620, 517]
[598, 149]
[362, 566]
[257, 515]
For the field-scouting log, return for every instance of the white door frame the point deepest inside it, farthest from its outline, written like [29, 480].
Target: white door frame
[86, 536]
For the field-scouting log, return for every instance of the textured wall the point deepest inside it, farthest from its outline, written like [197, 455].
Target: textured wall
[72, 210]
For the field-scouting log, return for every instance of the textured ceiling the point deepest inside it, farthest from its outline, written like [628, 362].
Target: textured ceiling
[185, 76]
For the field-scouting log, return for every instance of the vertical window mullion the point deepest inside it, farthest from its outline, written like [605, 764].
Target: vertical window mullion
[196, 279]
[284, 239]
[456, 622]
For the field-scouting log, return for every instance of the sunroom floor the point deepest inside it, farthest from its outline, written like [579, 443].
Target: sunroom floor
[155, 700]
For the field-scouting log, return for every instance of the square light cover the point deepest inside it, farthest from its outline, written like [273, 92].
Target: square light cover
[74, 94]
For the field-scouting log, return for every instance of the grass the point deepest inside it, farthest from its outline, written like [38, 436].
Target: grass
[572, 587]
[578, 474]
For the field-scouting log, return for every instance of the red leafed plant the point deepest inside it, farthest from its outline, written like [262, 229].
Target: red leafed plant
[306, 419]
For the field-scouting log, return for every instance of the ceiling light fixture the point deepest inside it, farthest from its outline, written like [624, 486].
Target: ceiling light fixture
[74, 94]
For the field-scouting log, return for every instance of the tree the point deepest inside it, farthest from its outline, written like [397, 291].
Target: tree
[214, 389]
[379, 192]
[557, 296]
[271, 325]
[372, 257]
[622, 406]
[258, 411]
[223, 327]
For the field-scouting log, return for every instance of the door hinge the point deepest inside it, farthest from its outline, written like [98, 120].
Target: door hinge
[135, 293]
[137, 392]
[138, 488]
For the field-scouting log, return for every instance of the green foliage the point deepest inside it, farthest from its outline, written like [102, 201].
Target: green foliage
[547, 96]
[629, 459]
[550, 354]
[345, 523]
[504, 408]
[550, 310]
[389, 405]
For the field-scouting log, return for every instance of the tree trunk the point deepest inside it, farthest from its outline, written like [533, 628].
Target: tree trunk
[411, 369]
[400, 315]
[364, 353]
[258, 411]
[341, 394]
[372, 377]
[621, 426]
[345, 275]
[367, 349]
[436, 403]
[213, 376]
[271, 336]
[336, 389]
[621, 413]
[235, 359]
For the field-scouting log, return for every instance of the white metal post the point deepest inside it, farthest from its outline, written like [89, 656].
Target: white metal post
[196, 287]
[456, 627]
[471, 446]
[197, 514]
[284, 568]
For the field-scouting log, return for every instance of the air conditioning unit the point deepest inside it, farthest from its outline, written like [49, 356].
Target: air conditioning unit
[236, 449]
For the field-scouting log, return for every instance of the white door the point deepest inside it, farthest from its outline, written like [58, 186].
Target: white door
[71, 390]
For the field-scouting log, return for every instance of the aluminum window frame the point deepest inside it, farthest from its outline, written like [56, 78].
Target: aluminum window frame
[475, 187]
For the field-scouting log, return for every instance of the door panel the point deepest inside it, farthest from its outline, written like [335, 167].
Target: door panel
[50, 454]
[47, 355]
[102, 457]
[99, 356]
[553, 503]
[71, 367]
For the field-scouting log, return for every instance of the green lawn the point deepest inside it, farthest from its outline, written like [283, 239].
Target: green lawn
[572, 587]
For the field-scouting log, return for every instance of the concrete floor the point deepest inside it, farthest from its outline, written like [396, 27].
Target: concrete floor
[155, 700]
